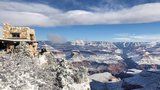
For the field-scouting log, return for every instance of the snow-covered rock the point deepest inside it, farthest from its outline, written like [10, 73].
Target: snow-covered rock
[103, 77]
[100, 81]
[142, 80]
[23, 72]
[78, 42]
[133, 71]
[105, 58]
[149, 80]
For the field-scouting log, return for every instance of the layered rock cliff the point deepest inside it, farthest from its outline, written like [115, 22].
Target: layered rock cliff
[19, 71]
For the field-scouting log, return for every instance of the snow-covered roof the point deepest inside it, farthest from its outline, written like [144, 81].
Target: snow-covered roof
[16, 40]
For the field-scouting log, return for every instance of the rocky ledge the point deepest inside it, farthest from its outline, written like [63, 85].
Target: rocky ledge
[19, 71]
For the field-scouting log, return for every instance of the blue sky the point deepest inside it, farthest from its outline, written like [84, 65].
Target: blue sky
[96, 20]
[100, 32]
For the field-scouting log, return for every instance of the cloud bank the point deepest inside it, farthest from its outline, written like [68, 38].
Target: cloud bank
[138, 38]
[33, 14]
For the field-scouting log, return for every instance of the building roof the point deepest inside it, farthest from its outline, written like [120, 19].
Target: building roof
[16, 40]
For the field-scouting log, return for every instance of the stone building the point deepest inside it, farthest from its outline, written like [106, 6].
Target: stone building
[13, 36]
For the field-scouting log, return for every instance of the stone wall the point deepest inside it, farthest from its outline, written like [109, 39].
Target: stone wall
[25, 32]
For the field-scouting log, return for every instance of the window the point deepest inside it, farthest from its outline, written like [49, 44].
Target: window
[32, 36]
[16, 35]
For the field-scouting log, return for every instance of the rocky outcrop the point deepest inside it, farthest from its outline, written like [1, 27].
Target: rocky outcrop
[99, 81]
[21, 72]
[146, 80]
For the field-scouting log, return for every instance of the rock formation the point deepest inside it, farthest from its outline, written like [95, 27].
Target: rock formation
[21, 72]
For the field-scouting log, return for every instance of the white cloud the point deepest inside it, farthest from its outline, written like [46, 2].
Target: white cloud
[138, 38]
[44, 15]
[26, 14]
[24, 18]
